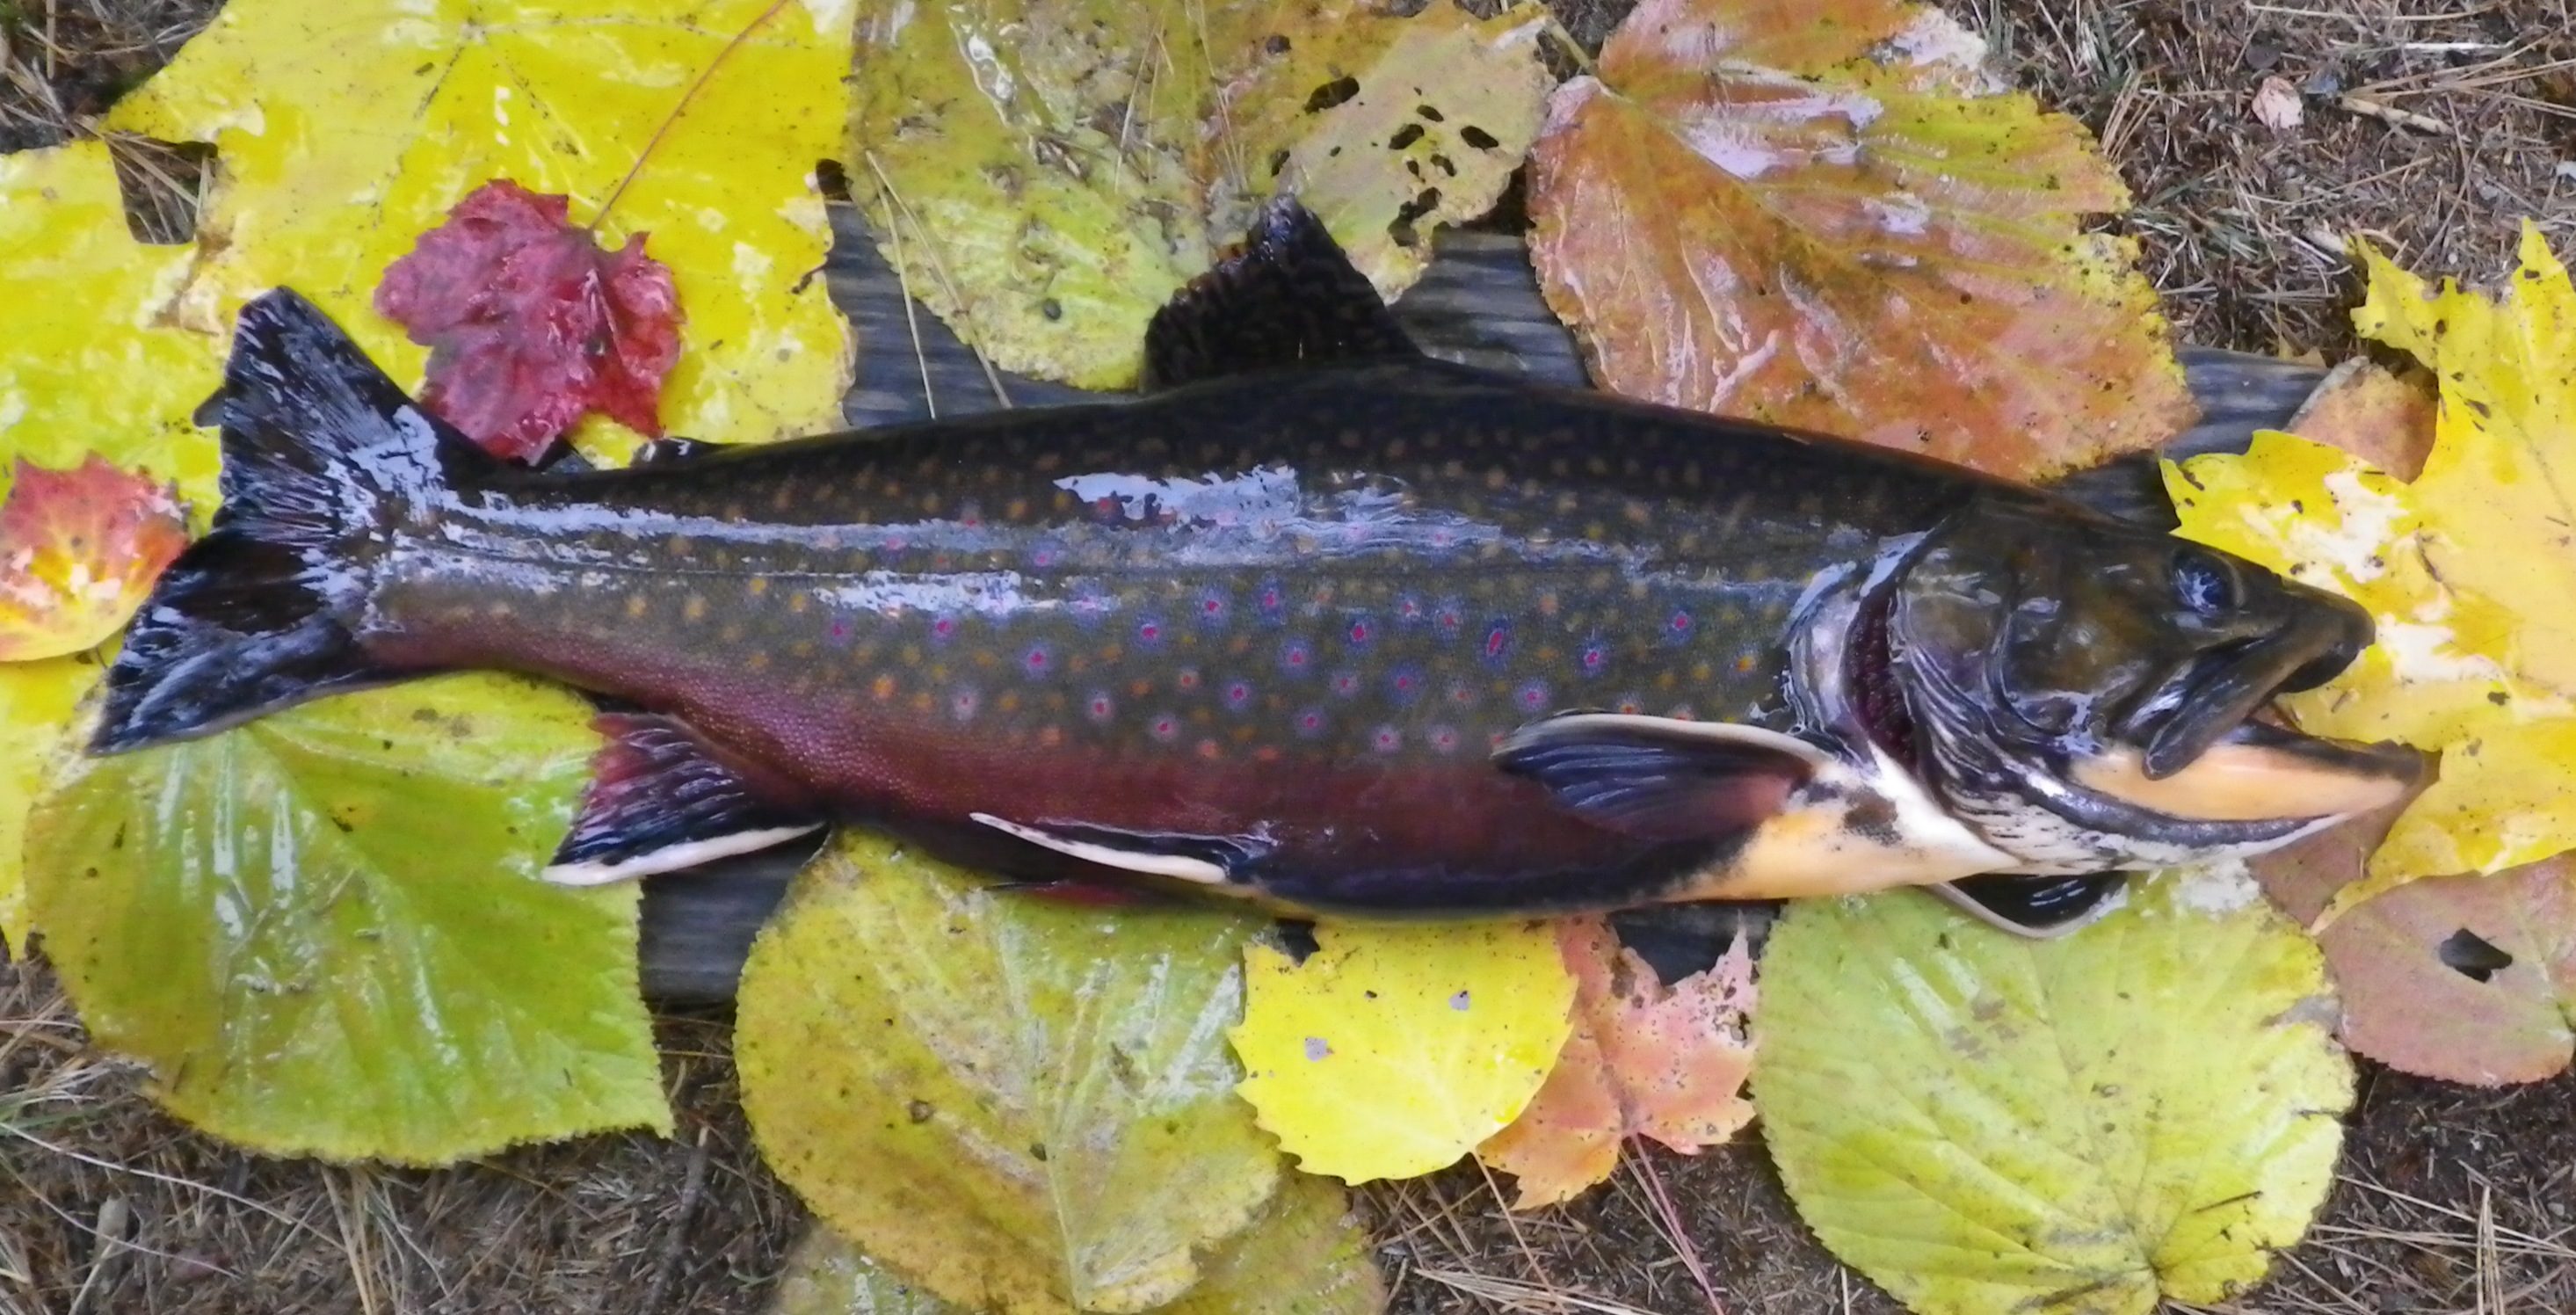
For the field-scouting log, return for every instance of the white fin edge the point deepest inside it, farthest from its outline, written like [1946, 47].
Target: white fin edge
[1576, 724]
[672, 858]
[1175, 866]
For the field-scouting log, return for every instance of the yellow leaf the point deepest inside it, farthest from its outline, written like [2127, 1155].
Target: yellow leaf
[36, 702]
[2498, 492]
[1046, 173]
[345, 132]
[2469, 571]
[85, 365]
[1395, 1049]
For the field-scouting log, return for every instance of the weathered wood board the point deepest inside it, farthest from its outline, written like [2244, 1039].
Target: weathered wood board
[1479, 304]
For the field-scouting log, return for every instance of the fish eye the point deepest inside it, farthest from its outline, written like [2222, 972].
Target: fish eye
[2203, 582]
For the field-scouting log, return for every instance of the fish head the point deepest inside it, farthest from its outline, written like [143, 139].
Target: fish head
[2089, 694]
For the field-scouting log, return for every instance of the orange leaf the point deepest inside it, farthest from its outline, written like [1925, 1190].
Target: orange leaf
[1645, 1059]
[78, 550]
[1827, 215]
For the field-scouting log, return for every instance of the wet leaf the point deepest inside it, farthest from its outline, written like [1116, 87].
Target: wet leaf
[2466, 978]
[2467, 570]
[1396, 1048]
[85, 364]
[79, 549]
[1645, 1060]
[345, 135]
[325, 933]
[530, 324]
[827, 1274]
[36, 702]
[1021, 1105]
[1982, 1123]
[1831, 216]
[1046, 175]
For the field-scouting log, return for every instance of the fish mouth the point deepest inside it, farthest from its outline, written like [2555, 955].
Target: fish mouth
[2208, 699]
[2256, 772]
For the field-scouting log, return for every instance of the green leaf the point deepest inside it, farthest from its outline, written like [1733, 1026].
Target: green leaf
[1305, 1256]
[1982, 1123]
[1022, 1105]
[36, 701]
[325, 932]
[1046, 173]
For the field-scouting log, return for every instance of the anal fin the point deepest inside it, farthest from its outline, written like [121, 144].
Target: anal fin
[1199, 860]
[662, 797]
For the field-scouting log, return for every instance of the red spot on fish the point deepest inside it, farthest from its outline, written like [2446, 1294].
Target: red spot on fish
[1149, 632]
[1165, 728]
[1038, 661]
[1532, 696]
[1208, 749]
[943, 627]
[1444, 739]
[1680, 624]
[1595, 657]
[1386, 739]
[962, 704]
[1346, 683]
[1310, 723]
[1498, 640]
[1189, 678]
[1359, 632]
[1238, 694]
[1101, 707]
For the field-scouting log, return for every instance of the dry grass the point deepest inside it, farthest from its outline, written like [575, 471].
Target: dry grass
[106, 1205]
[2432, 125]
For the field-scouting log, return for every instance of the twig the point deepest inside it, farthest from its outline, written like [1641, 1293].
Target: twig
[677, 110]
[2386, 113]
[692, 1182]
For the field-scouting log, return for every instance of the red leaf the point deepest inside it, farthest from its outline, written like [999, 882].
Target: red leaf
[530, 324]
[2465, 978]
[78, 551]
[1645, 1059]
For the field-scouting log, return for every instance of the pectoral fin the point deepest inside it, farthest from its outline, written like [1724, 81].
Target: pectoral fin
[2037, 907]
[662, 797]
[1661, 779]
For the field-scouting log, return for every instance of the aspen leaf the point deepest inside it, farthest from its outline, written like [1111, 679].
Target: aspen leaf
[2469, 570]
[1021, 1106]
[36, 702]
[325, 932]
[345, 133]
[1046, 173]
[1394, 1049]
[1646, 1059]
[79, 549]
[2467, 978]
[1985, 1124]
[1832, 217]
[87, 363]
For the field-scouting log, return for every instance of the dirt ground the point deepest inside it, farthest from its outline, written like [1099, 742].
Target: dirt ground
[2431, 125]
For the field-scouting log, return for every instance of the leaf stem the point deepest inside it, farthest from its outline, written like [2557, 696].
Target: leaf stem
[677, 110]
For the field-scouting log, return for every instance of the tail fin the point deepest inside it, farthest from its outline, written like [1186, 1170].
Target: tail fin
[320, 450]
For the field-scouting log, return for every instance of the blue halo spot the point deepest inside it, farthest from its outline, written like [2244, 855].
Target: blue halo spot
[1444, 739]
[964, 702]
[1362, 631]
[1297, 658]
[1405, 684]
[1212, 607]
[1531, 697]
[1386, 739]
[1497, 646]
[1347, 682]
[1270, 599]
[1151, 632]
[1593, 658]
[1449, 617]
[1100, 707]
[1163, 726]
[1238, 695]
[1037, 662]
[1410, 611]
[1309, 723]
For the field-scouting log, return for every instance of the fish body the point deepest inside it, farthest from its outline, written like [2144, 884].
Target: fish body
[1341, 628]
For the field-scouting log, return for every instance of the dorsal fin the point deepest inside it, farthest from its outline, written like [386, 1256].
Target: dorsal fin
[1288, 298]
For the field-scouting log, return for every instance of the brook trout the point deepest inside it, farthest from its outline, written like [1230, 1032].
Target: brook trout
[1320, 621]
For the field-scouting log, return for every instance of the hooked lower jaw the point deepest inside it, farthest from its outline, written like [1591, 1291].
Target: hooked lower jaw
[2257, 772]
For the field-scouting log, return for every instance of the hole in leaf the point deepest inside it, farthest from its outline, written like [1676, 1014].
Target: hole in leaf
[162, 184]
[2472, 956]
[1401, 228]
[1297, 940]
[1478, 138]
[1404, 136]
[1333, 93]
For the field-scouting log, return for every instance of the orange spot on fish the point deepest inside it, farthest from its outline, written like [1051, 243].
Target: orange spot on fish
[883, 688]
[694, 610]
[1050, 737]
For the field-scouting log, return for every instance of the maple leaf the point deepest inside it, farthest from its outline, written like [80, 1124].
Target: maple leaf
[530, 324]
[1394, 1049]
[78, 551]
[346, 133]
[2467, 978]
[1645, 1059]
[2467, 569]
[1830, 216]
[1046, 173]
